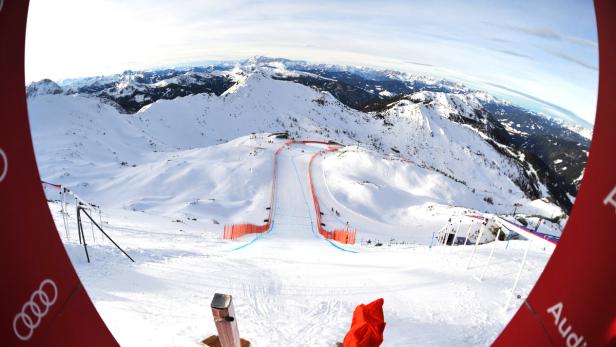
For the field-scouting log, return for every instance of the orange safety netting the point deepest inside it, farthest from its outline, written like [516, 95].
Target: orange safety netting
[367, 326]
[234, 231]
[341, 235]
[346, 235]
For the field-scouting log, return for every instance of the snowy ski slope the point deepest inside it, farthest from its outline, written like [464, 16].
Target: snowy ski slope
[169, 177]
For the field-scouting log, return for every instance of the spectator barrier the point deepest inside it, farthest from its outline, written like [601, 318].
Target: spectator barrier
[235, 231]
[346, 235]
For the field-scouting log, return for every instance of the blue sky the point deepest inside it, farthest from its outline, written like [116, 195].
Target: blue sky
[542, 54]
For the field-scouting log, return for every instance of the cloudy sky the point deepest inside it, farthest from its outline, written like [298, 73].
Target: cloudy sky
[539, 53]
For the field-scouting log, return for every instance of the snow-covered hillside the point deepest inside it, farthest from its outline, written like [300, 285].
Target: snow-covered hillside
[86, 144]
[170, 175]
[531, 141]
[289, 293]
[89, 147]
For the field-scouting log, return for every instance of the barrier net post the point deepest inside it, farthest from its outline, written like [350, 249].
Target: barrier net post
[102, 231]
[468, 266]
[80, 232]
[517, 277]
[485, 268]
[468, 232]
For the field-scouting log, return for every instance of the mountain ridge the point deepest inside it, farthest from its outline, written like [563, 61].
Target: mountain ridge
[525, 137]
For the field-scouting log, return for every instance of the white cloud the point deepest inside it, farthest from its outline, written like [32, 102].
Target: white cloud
[71, 38]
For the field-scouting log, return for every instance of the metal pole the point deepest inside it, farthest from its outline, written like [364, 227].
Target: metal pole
[431, 240]
[104, 233]
[100, 219]
[538, 225]
[441, 234]
[485, 268]
[508, 238]
[80, 231]
[64, 215]
[475, 248]
[455, 234]
[517, 277]
[468, 232]
[78, 221]
[444, 235]
[445, 232]
[92, 229]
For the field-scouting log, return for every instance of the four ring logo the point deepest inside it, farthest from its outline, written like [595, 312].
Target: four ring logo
[4, 161]
[33, 311]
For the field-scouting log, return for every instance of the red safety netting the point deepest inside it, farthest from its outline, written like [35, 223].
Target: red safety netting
[341, 235]
[234, 231]
[346, 235]
[51, 185]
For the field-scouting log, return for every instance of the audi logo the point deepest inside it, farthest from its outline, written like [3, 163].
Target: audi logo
[33, 311]
[3, 158]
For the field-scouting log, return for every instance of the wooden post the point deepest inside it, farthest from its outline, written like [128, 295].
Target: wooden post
[224, 318]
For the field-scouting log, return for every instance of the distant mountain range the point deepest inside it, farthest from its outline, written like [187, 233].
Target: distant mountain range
[433, 122]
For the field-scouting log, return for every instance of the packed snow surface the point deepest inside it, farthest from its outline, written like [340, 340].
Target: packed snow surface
[290, 286]
[169, 177]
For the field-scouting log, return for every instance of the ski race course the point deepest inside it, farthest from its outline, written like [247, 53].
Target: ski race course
[175, 181]
[295, 218]
[291, 286]
[446, 203]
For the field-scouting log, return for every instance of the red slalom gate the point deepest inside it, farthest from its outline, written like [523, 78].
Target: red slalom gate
[572, 303]
[346, 235]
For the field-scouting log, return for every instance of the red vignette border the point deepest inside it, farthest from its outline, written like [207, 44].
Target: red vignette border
[572, 303]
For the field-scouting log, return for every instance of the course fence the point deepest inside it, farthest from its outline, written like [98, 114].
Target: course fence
[345, 235]
[234, 231]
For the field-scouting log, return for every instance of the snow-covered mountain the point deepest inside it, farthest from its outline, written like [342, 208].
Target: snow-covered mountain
[43, 87]
[170, 162]
[420, 118]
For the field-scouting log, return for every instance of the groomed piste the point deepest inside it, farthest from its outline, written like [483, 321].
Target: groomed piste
[290, 283]
[292, 212]
[288, 295]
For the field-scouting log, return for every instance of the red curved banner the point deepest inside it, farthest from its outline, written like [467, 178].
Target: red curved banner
[42, 299]
[346, 235]
[574, 301]
[43, 302]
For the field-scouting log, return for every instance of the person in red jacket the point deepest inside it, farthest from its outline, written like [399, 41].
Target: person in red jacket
[367, 326]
